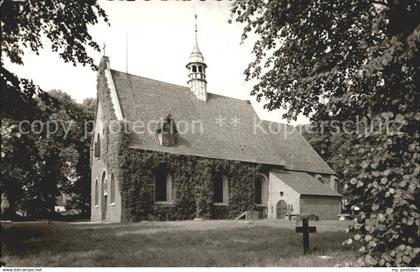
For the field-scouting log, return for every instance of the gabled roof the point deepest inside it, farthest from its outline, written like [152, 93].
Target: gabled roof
[147, 100]
[305, 184]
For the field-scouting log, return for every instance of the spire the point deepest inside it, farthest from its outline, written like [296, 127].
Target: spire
[197, 69]
[196, 55]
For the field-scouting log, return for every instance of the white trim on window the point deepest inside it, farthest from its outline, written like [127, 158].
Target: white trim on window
[264, 191]
[163, 203]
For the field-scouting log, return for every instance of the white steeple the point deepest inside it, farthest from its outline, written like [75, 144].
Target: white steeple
[197, 70]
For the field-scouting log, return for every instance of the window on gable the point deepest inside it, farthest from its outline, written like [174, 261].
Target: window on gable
[112, 188]
[319, 178]
[163, 185]
[166, 131]
[96, 192]
[220, 190]
[260, 190]
[98, 147]
[333, 183]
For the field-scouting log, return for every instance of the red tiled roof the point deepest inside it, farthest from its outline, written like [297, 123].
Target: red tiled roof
[144, 99]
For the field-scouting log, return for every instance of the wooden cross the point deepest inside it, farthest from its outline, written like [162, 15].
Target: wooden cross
[305, 230]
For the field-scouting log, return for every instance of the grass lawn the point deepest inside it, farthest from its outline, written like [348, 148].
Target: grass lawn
[180, 243]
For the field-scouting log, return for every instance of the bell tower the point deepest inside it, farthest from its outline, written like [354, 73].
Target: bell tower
[197, 70]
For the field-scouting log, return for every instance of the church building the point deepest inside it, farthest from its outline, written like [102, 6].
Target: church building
[166, 152]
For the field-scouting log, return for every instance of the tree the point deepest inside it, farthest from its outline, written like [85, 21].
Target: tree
[335, 148]
[65, 153]
[54, 161]
[31, 165]
[352, 64]
[18, 163]
[79, 189]
[29, 25]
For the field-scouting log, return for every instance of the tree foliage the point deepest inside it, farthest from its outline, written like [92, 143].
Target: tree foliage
[40, 163]
[32, 165]
[353, 64]
[29, 25]
[335, 148]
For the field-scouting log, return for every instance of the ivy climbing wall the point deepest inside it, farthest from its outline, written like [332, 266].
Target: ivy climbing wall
[192, 186]
[192, 176]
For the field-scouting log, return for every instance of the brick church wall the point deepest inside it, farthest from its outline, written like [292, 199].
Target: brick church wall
[107, 163]
[109, 159]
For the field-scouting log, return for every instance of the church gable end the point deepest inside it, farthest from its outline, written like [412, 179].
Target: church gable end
[106, 143]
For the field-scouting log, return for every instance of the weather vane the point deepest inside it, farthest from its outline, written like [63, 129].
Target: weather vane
[195, 16]
[196, 28]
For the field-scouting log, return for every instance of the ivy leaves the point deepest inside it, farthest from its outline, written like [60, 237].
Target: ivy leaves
[193, 186]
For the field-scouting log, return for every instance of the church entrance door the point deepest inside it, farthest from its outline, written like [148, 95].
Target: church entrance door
[281, 209]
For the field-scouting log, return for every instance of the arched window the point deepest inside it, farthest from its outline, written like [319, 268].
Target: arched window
[194, 68]
[163, 185]
[98, 147]
[220, 190]
[112, 188]
[200, 69]
[96, 192]
[104, 185]
[261, 191]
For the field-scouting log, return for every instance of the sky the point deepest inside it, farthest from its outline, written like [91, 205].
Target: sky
[156, 38]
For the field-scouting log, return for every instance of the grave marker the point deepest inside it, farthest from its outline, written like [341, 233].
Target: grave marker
[305, 230]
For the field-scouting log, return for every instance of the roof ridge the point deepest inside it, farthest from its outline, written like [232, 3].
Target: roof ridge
[176, 85]
[152, 79]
